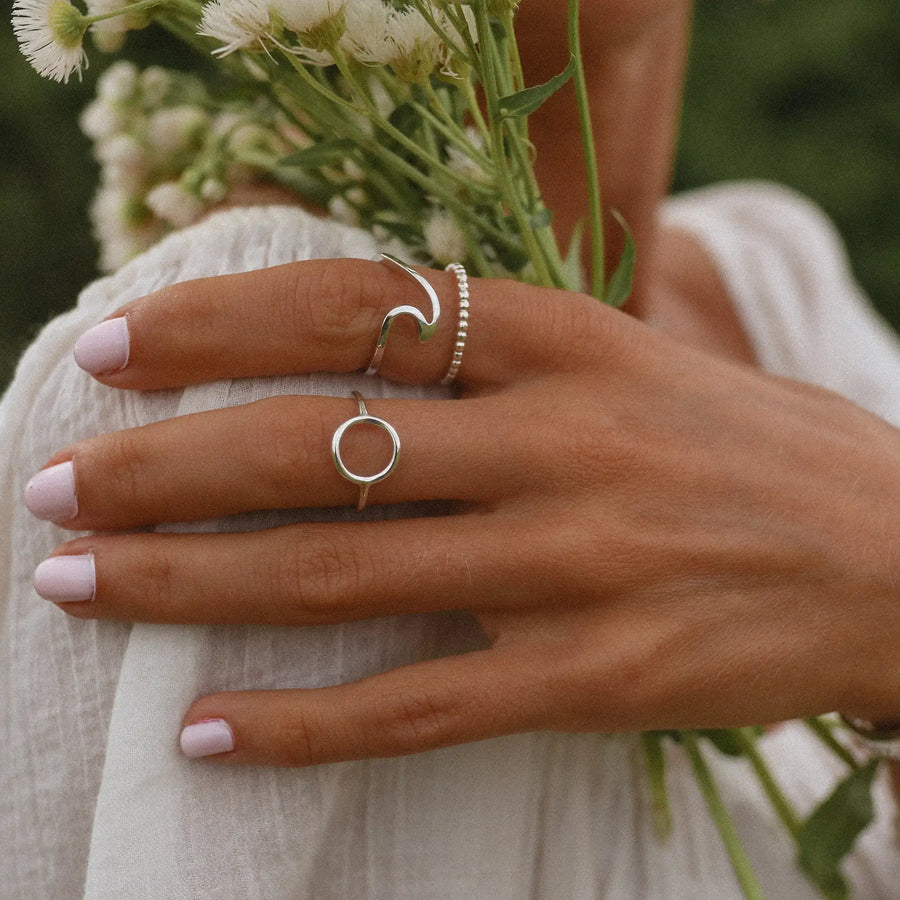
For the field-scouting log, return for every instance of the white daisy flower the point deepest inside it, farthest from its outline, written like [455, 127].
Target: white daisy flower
[173, 204]
[50, 35]
[305, 16]
[444, 239]
[236, 24]
[367, 36]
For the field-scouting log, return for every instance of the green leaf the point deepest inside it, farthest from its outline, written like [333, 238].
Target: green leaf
[619, 286]
[572, 270]
[524, 103]
[724, 740]
[829, 834]
[325, 153]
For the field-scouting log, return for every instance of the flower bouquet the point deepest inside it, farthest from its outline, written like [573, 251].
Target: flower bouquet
[408, 118]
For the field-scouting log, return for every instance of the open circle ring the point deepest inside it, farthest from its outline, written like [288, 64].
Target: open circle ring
[364, 482]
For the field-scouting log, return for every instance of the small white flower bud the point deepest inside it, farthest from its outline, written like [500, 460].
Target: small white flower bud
[155, 84]
[341, 211]
[124, 161]
[444, 239]
[353, 170]
[177, 128]
[118, 83]
[99, 120]
[173, 204]
[213, 191]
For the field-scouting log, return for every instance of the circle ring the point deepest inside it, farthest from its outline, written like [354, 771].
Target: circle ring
[364, 482]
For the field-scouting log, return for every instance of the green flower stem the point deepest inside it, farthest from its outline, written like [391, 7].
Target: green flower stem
[475, 110]
[746, 737]
[824, 732]
[456, 18]
[736, 853]
[371, 112]
[598, 260]
[448, 127]
[131, 9]
[518, 76]
[471, 239]
[655, 766]
[341, 125]
[391, 85]
[489, 51]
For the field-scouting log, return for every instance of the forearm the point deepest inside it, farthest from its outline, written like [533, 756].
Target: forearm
[634, 62]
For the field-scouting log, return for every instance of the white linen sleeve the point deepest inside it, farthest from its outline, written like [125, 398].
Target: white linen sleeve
[790, 280]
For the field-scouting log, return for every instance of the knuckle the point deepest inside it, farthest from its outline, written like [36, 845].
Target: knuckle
[326, 580]
[581, 325]
[124, 464]
[296, 737]
[328, 300]
[159, 578]
[281, 444]
[415, 720]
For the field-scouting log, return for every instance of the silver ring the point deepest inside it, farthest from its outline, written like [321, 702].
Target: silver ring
[462, 329]
[426, 327]
[364, 482]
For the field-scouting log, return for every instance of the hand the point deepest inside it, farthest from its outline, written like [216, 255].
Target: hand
[650, 537]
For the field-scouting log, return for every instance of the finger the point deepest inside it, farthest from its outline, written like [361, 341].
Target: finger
[292, 575]
[326, 315]
[418, 707]
[274, 454]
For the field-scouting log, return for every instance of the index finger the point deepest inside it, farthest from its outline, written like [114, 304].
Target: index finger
[326, 315]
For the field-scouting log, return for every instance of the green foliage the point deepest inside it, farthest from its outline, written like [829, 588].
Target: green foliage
[619, 287]
[830, 832]
[524, 103]
[807, 93]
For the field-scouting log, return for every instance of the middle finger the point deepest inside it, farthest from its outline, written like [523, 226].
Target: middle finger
[273, 454]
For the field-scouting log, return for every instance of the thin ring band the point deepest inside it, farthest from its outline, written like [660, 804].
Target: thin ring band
[364, 482]
[462, 329]
[426, 327]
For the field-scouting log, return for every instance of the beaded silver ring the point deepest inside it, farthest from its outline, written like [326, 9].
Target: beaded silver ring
[462, 329]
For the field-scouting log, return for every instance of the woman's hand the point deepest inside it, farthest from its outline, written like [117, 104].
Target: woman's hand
[650, 537]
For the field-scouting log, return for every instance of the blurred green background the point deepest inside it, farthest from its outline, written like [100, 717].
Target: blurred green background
[805, 92]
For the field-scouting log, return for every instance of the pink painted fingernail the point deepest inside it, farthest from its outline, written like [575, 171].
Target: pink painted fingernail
[50, 495]
[104, 348]
[207, 738]
[66, 579]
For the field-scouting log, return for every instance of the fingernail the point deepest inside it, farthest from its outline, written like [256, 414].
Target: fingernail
[66, 579]
[50, 495]
[104, 348]
[207, 738]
